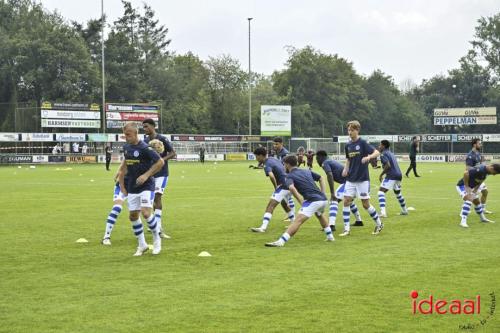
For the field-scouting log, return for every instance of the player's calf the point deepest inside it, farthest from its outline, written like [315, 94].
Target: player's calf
[155, 230]
[402, 202]
[307, 210]
[267, 216]
[110, 223]
[138, 231]
[373, 214]
[346, 214]
[381, 202]
[466, 207]
[334, 207]
[479, 208]
[357, 215]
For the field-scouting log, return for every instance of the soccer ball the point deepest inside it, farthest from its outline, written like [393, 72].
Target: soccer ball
[157, 145]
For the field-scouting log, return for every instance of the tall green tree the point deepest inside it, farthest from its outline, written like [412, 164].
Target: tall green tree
[43, 57]
[184, 90]
[486, 43]
[226, 83]
[91, 34]
[394, 112]
[328, 85]
[124, 80]
[135, 49]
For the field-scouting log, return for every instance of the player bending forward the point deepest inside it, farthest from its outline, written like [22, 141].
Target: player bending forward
[392, 181]
[473, 160]
[333, 170]
[301, 183]
[468, 188]
[275, 170]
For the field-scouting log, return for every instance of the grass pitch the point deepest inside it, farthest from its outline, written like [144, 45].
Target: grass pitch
[49, 283]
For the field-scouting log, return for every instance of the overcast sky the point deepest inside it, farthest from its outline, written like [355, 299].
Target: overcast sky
[405, 39]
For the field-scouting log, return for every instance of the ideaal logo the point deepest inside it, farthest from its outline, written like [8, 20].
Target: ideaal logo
[431, 305]
[441, 306]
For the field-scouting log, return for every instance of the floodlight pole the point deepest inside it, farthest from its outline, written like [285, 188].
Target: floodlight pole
[249, 81]
[102, 69]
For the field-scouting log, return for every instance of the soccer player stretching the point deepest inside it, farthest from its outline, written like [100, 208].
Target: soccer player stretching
[300, 156]
[280, 153]
[310, 158]
[473, 160]
[467, 188]
[358, 154]
[301, 184]
[280, 150]
[275, 170]
[161, 177]
[333, 170]
[139, 166]
[392, 181]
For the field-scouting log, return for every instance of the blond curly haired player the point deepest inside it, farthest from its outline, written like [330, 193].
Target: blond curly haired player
[157, 145]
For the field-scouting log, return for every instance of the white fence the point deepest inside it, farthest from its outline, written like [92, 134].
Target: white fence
[37, 147]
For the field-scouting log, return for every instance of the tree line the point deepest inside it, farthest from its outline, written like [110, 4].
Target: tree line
[46, 58]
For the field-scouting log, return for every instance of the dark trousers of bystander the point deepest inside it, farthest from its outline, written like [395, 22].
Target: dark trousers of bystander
[413, 166]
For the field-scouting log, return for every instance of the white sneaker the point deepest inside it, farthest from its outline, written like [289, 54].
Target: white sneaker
[278, 243]
[383, 214]
[378, 229]
[329, 239]
[486, 220]
[345, 233]
[259, 229]
[141, 250]
[464, 224]
[488, 212]
[106, 241]
[164, 235]
[157, 246]
[404, 212]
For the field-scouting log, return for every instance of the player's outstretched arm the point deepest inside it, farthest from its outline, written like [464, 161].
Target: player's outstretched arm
[466, 182]
[295, 193]
[272, 178]
[322, 186]
[387, 167]
[122, 171]
[331, 184]
[345, 172]
[117, 175]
